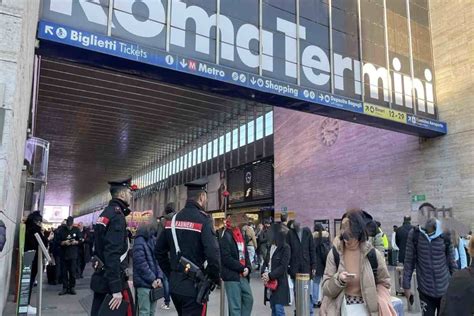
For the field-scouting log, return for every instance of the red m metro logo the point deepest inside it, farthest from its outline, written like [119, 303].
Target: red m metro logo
[192, 65]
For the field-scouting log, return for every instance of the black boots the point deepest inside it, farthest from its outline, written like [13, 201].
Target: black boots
[71, 291]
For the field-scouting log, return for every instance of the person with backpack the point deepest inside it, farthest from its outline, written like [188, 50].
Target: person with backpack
[356, 280]
[459, 253]
[402, 237]
[322, 246]
[431, 253]
[250, 242]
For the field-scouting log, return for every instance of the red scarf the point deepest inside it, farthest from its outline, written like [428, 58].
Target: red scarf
[239, 239]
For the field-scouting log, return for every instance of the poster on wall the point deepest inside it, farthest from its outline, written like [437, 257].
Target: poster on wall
[135, 219]
[324, 223]
[337, 226]
[55, 213]
[251, 184]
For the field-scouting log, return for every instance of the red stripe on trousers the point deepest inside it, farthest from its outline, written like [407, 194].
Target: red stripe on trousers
[126, 298]
[204, 310]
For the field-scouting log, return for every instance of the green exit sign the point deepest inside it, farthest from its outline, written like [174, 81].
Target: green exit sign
[418, 198]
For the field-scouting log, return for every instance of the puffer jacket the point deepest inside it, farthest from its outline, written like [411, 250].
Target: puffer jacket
[333, 290]
[433, 262]
[145, 266]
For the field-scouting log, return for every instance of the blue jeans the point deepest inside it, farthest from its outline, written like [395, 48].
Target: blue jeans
[278, 310]
[166, 287]
[145, 306]
[316, 281]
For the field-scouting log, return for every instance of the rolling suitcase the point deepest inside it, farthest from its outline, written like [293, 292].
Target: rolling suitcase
[399, 280]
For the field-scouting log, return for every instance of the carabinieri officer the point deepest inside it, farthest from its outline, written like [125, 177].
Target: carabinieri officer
[197, 242]
[111, 249]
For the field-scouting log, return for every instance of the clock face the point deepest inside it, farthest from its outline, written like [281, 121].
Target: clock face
[329, 131]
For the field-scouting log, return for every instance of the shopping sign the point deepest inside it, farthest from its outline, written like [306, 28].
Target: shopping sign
[294, 55]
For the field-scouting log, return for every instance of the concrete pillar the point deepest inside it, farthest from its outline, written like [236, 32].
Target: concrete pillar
[18, 20]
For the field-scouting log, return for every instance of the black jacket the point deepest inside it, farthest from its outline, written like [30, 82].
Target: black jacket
[30, 240]
[459, 298]
[322, 246]
[302, 252]
[198, 243]
[231, 267]
[111, 245]
[72, 251]
[433, 260]
[280, 261]
[401, 238]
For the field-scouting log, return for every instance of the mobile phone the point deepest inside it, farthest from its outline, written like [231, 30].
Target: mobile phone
[351, 275]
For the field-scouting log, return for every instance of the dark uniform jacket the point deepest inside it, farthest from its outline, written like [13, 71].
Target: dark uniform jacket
[231, 266]
[198, 243]
[69, 252]
[111, 243]
[302, 252]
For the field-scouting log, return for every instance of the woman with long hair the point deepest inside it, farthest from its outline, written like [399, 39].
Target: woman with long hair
[356, 281]
[322, 245]
[275, 271]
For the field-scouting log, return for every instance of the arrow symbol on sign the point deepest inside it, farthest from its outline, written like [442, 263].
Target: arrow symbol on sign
[183, 63]
[321, 97]
[49, 30]
[253, 81]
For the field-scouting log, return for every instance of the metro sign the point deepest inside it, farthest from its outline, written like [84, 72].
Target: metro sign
[237, 43]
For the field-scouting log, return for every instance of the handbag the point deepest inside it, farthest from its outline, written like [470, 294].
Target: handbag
[272, 285]
[156, 294]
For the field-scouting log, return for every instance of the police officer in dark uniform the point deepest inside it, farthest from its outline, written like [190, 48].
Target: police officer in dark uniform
[197, 243]
[111, 249]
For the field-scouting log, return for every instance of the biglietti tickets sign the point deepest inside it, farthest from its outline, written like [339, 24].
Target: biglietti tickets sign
[277, 46]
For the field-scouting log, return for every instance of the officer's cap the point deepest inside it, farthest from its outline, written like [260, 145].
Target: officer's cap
[122, 183]
[197, 185]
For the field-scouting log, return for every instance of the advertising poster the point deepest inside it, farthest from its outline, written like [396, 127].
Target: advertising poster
[324, 223]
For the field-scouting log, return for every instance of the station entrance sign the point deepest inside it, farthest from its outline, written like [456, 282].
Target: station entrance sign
[235, 44]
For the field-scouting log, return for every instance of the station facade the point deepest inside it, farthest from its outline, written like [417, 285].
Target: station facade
[311, 107]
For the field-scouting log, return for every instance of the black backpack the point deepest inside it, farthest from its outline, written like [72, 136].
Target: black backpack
[372, 256]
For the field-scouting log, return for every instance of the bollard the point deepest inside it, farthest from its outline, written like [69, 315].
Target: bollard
[40, 283]
[302, 283]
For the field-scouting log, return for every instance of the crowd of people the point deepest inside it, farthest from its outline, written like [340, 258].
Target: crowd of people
[349, 274]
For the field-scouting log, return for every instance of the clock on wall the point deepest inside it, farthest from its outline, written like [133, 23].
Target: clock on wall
[329, 131]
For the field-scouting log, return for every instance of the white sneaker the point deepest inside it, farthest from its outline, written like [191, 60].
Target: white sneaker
[164, 306]
[31, 310]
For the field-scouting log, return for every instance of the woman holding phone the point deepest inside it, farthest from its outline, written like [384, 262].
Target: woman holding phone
[355, 273]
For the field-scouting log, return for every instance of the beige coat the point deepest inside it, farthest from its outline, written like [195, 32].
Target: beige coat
[333, 290]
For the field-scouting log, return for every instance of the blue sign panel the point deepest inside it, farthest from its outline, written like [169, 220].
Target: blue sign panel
[123, 49]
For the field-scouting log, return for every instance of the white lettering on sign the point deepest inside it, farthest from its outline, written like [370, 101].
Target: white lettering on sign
[237, 42]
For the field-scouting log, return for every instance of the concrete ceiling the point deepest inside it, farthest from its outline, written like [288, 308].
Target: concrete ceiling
[103, 125]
